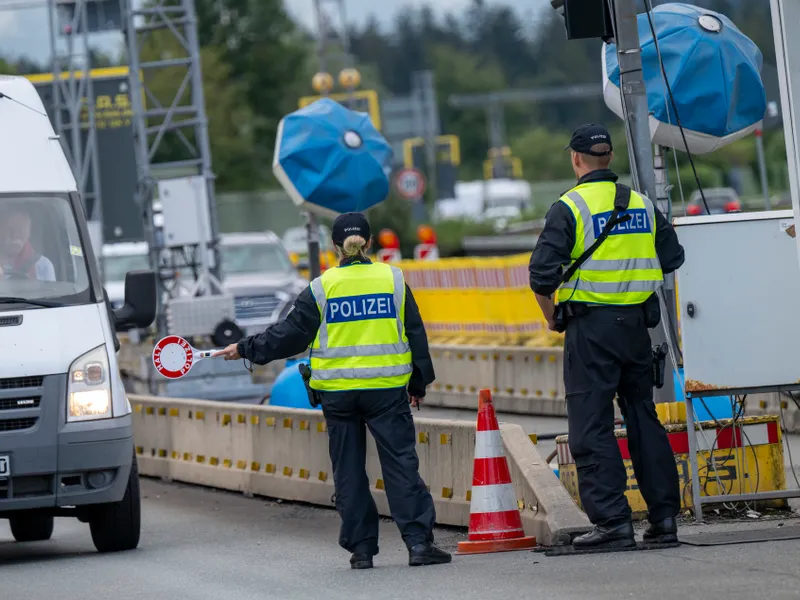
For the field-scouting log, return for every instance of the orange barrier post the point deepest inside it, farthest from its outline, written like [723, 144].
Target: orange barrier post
[494, 521]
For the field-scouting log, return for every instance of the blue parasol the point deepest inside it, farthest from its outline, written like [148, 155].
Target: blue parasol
[331, 159]
[714, 71]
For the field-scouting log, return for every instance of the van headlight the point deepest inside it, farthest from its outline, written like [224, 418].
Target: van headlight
[89, 387]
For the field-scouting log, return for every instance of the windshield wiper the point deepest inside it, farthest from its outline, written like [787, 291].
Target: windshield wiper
[42, 303]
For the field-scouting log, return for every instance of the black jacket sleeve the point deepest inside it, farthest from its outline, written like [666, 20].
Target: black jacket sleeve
[287, 338]
[668, 248]
[422, 375]
[553, 250]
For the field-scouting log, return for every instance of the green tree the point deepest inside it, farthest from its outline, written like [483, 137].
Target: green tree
[265, 53]
[230, 120]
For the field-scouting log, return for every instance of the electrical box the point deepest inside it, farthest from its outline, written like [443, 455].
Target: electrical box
[184, 206]
[738, 297]
[585, 19]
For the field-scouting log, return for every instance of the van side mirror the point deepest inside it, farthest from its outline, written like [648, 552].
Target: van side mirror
[139, 310]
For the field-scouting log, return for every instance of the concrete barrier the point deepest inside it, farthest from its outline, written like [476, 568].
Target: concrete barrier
[283, 453]
[523, 380]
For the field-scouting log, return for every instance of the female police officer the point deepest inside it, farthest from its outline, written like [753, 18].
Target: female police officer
[369, 360]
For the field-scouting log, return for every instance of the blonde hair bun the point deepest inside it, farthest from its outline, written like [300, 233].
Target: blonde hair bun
[353, 246]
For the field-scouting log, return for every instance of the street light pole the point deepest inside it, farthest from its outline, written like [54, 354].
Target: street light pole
[637, 120]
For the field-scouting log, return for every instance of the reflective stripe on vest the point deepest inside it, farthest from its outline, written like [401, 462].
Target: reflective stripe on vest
[608, 277]
[352, 309]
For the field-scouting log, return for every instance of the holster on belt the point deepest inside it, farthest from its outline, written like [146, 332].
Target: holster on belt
[659, 364]
[314, 397]
[566, 311]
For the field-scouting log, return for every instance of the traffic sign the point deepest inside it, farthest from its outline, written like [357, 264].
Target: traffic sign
[426, 252]
[410, 184]
[174, 357]
[389, 255]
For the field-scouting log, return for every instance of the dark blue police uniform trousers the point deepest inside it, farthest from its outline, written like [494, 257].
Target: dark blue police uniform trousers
[607, 353]
[388, 416]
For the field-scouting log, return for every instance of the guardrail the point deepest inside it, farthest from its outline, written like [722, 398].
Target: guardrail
[283, 453]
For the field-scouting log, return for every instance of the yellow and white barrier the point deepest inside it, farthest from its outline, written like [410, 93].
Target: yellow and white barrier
[751, 461]
[283, 453]
[478, 301]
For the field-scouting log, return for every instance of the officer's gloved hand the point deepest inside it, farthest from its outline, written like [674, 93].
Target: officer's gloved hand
[415, 398]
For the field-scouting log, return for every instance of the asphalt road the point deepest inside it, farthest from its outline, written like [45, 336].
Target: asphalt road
[200, 544]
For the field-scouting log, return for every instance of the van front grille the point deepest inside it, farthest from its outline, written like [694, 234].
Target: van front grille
[18, 424]
[17, 383]
[19, 403]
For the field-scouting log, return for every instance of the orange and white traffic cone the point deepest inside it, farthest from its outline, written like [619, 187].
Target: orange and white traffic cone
[495, 524]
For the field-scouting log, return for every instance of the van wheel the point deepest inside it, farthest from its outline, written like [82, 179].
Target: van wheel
[115, 527]
[32, 528]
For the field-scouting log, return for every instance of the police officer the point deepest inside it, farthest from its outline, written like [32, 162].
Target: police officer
[607, 305]
[369, 362]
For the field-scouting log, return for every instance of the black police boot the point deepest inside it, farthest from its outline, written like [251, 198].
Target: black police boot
[662, 532]
[427, 554]
[618, 536]
[361, 561]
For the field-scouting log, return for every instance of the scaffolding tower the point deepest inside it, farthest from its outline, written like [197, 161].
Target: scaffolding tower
[73, 103]
[172, 145]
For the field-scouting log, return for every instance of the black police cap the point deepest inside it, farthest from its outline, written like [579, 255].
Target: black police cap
[348, 224]
[587, 136]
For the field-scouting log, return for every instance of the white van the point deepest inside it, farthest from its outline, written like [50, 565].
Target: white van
[66, 436]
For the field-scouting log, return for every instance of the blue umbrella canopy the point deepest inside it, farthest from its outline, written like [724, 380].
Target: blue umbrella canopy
[331, 159]
[713, 69]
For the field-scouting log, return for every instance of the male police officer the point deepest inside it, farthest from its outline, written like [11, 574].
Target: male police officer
[368, 346]
[606, 306]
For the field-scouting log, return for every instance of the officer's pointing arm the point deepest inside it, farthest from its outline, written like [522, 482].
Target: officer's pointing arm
[286, 338]
[668, 248]
[422, 375]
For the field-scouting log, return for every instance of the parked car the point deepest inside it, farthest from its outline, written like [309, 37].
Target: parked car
[720, 201]
[259, 273]
[118, 259]
[256, 267]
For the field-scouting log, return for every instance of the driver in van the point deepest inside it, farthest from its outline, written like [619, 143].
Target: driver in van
[18, 259]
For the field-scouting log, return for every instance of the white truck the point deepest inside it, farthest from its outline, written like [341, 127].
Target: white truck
[66, 435]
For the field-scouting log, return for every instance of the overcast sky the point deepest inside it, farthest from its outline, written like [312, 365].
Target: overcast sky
[25, 31]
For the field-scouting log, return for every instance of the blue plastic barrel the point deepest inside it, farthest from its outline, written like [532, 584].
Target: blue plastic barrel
[289, 391]
[707, 409]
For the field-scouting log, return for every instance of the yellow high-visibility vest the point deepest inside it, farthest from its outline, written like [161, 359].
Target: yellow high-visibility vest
[361, 343]
[624, 269]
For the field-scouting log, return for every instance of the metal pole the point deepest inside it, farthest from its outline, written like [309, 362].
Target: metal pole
[428, 106]
[634, 98]
[634, 94]
[691, 432]
[664, 204]
[496, 121]
[201, 132]
[762, 168]
[312, 228]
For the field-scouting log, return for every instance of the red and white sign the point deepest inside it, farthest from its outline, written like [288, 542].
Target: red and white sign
[389, 255]
[174, 357]
[410, 184]
[426, 252]
[723, 438]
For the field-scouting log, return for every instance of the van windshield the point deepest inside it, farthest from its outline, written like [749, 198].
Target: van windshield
[41, 254]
